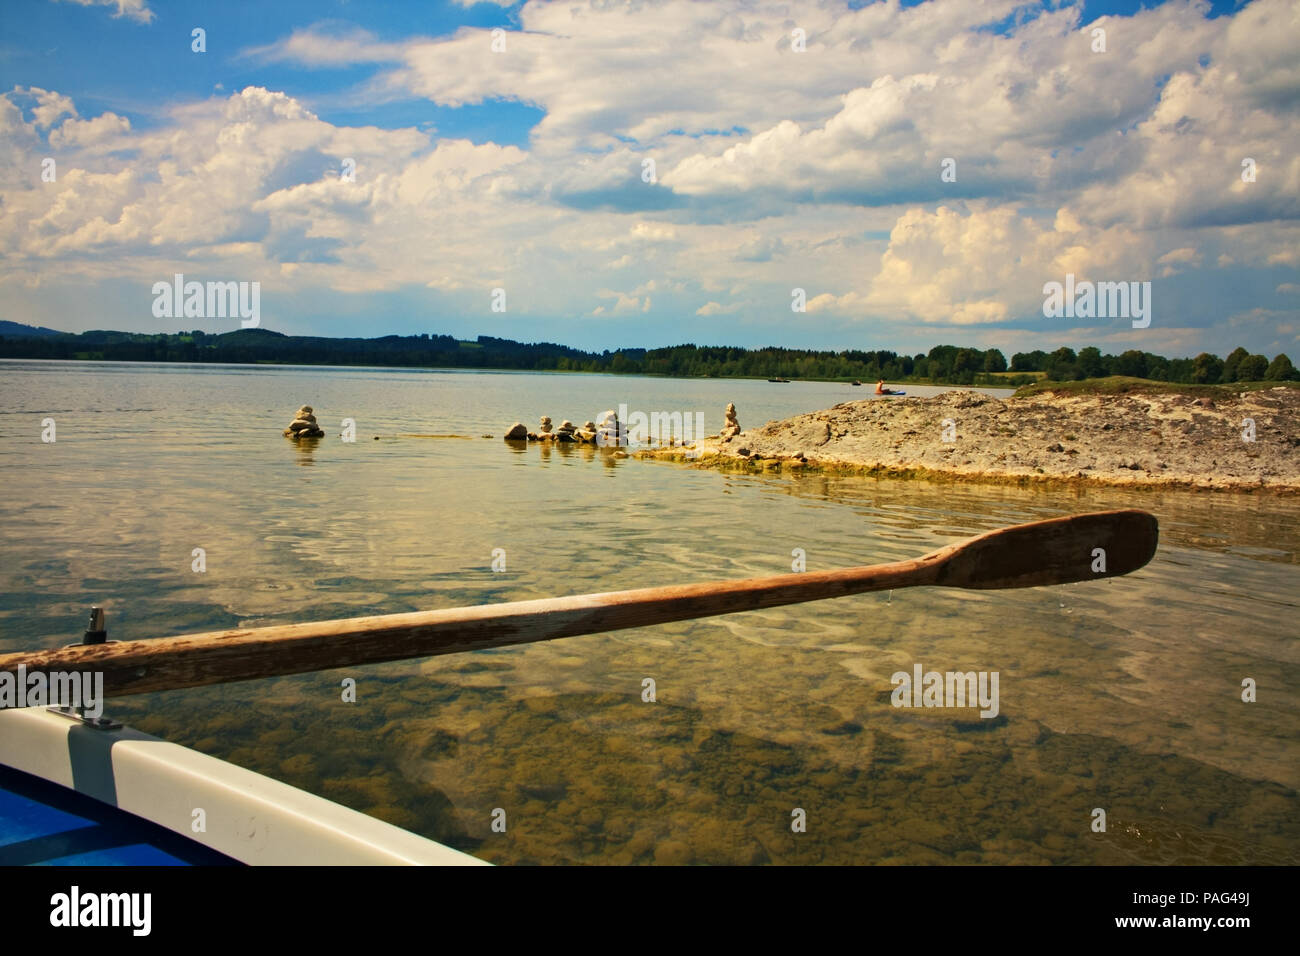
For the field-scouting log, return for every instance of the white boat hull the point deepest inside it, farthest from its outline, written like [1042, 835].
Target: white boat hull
[248, 817]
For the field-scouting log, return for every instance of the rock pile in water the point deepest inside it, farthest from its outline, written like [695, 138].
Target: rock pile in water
[589, 434]
[304, 425]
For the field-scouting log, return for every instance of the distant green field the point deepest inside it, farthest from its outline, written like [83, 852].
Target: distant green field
[1124, 385]
[1034, 375]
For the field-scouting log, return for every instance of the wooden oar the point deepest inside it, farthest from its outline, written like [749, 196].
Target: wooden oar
[1058, 551]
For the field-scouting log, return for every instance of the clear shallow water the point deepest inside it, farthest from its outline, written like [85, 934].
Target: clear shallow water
[1122, 694]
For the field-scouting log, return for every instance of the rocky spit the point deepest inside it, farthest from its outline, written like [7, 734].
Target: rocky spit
[1136, 439]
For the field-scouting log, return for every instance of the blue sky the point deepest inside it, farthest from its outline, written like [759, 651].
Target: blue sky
[775, 168]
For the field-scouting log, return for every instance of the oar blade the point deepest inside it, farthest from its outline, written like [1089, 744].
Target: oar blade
[1085, 547]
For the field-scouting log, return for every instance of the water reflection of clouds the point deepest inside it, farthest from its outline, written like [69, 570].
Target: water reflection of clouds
[1136, 669]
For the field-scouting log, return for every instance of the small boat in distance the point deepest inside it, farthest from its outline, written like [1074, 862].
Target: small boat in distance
[855, 382]
[786, 380]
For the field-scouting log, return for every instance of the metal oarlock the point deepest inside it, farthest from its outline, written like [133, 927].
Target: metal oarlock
[96, 629]
[96, 633]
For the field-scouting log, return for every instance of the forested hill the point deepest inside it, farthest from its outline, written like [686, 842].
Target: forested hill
[948, 364]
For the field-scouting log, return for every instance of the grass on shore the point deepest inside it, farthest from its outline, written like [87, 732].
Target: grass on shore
[1124, 385]
[1037, 376]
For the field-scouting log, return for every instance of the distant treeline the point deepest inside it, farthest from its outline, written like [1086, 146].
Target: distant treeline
[946, 364]
[1064, 365]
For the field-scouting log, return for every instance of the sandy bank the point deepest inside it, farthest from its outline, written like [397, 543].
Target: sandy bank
[1138, 440]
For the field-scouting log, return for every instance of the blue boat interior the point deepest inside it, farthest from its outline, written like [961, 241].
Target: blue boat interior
[44, 824]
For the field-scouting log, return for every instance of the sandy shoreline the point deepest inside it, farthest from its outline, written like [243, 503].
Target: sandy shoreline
[1134, 440]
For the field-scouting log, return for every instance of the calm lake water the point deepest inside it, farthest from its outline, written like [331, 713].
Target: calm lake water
[1122, 694]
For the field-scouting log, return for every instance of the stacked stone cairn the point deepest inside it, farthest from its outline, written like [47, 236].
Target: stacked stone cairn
[730, 427]
[544, 430]
[304, 425]
[610, 431]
